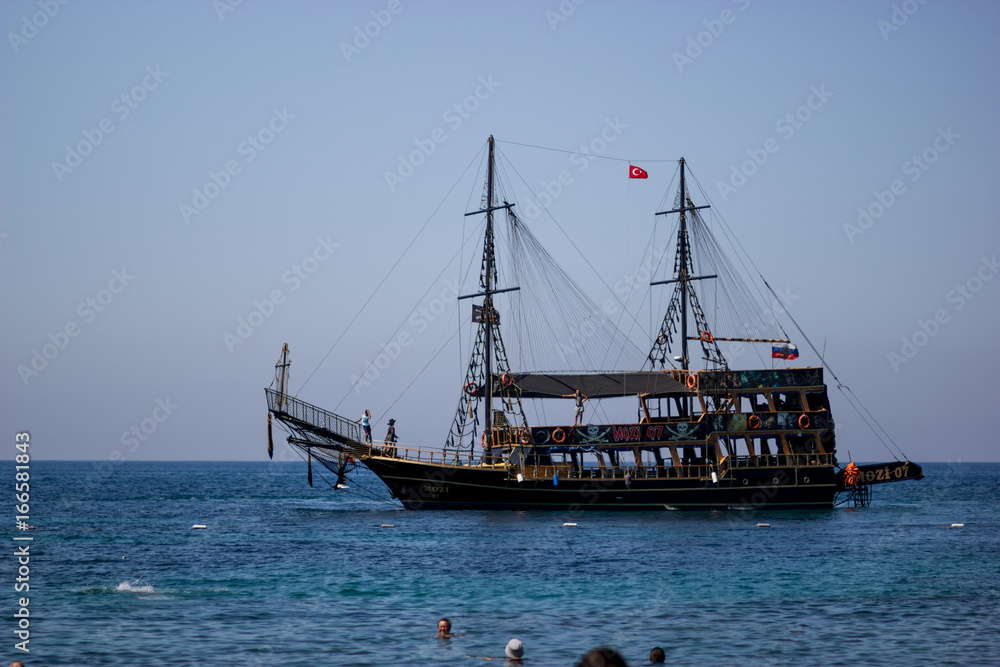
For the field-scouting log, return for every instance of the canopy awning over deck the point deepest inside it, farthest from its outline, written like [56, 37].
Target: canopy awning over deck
[597, 385]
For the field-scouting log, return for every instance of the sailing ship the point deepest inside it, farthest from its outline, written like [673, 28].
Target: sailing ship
[704, 438]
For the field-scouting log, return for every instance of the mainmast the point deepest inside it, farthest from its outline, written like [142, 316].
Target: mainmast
[488, 297]
[683, 275]
[684, 294]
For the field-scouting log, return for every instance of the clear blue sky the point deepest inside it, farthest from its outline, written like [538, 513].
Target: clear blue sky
[308, 117]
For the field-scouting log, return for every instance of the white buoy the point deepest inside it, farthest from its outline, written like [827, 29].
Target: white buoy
[763, 525]
[715, 478]
[199, 526]
[520, 478]
[569, 524]
[958, 525]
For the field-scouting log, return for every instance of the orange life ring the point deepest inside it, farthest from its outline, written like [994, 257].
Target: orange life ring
[505, 380]
[661, 340]
[482, 441]
[707, 336]
[692, 381]
[803, 420]
[471, 388]
[559, 435]
[753, 421]
[525, 437]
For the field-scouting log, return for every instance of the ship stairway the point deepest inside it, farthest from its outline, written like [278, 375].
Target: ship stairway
[312, 426]
[860, 494]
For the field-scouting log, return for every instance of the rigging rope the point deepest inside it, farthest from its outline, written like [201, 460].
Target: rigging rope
[851, 397]
[371, 494]
[840, 385]
[389, 273]
[441, 349]
[571, 241]
[628, 297]
[739, 298]
[844, 387]
[406, 318]
[589, 155]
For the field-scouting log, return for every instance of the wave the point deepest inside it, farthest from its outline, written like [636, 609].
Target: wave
[137, 586]
[134, 587]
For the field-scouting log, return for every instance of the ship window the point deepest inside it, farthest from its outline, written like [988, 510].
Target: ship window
[790, 401]
[817, 400]
[753, 403]
[801, 444]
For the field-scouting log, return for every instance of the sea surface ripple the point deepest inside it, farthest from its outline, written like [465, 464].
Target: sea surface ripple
[288, 575]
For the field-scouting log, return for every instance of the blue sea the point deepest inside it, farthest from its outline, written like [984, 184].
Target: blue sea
[289, 575]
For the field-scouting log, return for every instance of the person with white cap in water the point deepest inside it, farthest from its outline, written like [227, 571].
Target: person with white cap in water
[514, 650]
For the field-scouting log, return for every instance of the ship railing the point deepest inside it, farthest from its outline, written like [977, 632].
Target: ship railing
[341, 428]
[776, 461]
[698, 470]
[567, 471]
[395, 450]
[405, 452]
[613, 472]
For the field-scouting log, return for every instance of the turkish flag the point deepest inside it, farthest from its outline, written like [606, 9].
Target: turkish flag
[637, 172]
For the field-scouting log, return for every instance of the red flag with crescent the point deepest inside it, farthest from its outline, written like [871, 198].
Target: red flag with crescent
[637, 172]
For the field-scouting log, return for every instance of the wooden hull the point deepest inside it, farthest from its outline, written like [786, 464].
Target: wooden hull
[436, 487]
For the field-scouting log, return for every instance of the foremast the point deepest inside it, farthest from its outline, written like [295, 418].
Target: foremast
[489, 356]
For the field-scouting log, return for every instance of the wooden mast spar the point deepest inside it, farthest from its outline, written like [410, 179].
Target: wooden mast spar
[488, 290]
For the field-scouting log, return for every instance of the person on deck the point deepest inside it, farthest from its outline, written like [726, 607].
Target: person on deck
[390, 439]
[366, 423]
[580, 400]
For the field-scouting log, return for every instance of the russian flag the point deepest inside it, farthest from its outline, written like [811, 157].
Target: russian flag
[784, 351]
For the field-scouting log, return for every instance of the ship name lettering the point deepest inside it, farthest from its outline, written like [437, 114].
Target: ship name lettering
[625, 432]
[654, 432]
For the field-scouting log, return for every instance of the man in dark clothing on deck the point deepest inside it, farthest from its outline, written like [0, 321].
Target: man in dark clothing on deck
[390, 439]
